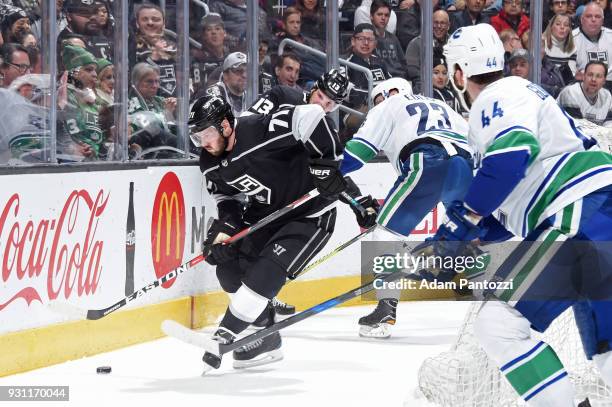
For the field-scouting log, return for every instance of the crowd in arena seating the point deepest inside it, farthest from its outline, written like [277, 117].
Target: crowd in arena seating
[383, 36]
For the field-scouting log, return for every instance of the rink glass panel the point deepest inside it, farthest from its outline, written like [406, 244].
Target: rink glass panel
[45, 137]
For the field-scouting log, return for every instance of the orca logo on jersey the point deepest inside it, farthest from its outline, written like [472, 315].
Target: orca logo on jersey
[252, 187]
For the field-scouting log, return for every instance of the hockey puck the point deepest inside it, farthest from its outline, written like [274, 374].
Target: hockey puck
[103, 370]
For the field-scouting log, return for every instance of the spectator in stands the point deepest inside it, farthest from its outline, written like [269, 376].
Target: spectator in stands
[232, 85]
[363, 44]
[311, 67]
[75, 39]
[29, 40]
[154, 47]
[292, 29]
[559, 61]
[106, 81]
[512, 16]
[471, 15]
[15, 63]
[559, 48]
[441, 90]
[519, 63]
[362, 16]
[214, 50]
[265, 62]
[233, 13]
[413, 51]
[388, 47]
[589, 99]
[313, 18]
[15, 25]
[61, 18]
[31, 45]
[593, 41]
[84, 19]
[79, 134]
[144, 95]
[555, 7]
[409, 22]
[511, 42]
[287, 70]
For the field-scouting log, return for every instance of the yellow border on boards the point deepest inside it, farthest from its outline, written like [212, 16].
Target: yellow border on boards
[39, 347]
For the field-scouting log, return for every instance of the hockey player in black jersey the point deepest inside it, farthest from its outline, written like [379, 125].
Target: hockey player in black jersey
[328, 91]
[270, 159]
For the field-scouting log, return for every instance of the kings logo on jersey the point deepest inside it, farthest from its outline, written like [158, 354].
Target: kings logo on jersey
[251, 187]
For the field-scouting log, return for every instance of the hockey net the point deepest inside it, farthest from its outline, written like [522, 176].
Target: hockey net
[465, 377]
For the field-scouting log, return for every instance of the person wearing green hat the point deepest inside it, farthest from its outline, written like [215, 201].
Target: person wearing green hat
[81, 135]
[106, 81]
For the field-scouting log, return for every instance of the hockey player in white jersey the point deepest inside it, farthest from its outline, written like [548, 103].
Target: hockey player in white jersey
[425, 142]
[537, 180]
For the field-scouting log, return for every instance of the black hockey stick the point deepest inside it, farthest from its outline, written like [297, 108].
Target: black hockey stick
[214, 350]
[94, 314]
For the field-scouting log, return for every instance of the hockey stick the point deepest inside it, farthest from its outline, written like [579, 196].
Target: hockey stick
[214, 350]
[94, 314]
[336, 250]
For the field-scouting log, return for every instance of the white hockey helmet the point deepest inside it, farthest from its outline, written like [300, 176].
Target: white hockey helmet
[476, 49]
[384, 88]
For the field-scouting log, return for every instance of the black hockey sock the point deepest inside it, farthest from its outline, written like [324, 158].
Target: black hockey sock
[233, 323]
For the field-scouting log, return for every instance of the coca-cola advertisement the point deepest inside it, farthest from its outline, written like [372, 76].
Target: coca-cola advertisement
[87, 241]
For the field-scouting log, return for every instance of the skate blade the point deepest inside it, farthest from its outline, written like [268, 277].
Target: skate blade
[207, 368]
[263, 359]
[382, 331]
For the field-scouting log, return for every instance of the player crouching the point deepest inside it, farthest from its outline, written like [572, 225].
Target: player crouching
[269, 159]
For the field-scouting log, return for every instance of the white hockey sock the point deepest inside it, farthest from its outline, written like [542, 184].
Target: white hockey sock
[532, 367]
[247, 305]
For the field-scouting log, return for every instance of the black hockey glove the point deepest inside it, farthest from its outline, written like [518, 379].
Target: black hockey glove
[327, 176]
[365, 220]
[371, 206]
[214, 251]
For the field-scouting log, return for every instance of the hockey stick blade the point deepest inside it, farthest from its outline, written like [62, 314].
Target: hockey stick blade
[189, 336]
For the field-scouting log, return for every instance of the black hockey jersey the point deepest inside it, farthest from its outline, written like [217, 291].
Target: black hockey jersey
[277, 97]
[269, 162]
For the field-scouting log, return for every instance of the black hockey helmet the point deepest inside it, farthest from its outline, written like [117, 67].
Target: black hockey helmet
[334, 84]
[209, 111]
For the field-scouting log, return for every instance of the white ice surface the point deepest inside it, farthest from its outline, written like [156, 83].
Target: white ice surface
[326, 364]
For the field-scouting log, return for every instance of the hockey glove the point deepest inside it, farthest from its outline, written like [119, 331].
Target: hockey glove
[214, 251]
[456, 232]
[327, 177]
[371, 206]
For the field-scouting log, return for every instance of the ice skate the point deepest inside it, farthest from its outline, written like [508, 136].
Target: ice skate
[260, 352]
[378, 323]
[282, 308]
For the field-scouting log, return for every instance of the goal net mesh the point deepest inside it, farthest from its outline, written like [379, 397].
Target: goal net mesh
[465, 377]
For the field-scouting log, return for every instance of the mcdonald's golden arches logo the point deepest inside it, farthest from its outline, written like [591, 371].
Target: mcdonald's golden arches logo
[168, 226]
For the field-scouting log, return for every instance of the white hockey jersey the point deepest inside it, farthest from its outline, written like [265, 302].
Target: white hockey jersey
[575, 103]
[587, 50]
[401, 120]
[513, 115]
